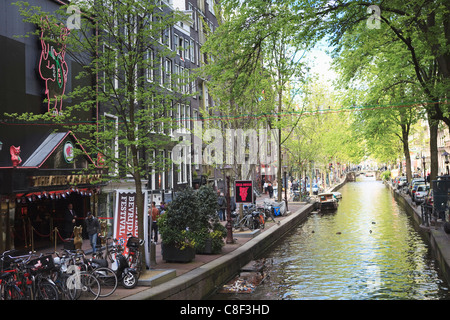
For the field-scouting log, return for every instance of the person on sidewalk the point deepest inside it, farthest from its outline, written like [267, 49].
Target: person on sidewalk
[222, 202]
[69, 221]
[155, 214]
[270, 189]
[93, 230]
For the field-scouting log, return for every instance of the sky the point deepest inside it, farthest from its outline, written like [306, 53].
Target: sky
[320, 62]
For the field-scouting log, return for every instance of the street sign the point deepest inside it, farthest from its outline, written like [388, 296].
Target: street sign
[243, 191]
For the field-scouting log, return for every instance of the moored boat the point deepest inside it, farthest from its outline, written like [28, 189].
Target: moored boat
[327, 202]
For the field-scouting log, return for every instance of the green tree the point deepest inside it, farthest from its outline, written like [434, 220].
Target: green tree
[120, 45]
[255, 66]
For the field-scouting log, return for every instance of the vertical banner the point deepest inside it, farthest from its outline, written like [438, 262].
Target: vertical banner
[243, 191]
[126, 219]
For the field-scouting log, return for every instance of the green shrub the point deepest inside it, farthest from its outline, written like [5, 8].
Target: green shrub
[191, 219]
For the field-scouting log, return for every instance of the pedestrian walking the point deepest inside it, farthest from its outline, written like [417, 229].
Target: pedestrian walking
[155, 214]
[270, 189]
[222, 205]
[93, 230]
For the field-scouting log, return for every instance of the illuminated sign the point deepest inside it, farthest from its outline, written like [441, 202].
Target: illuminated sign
[52, 64]
[244, 191]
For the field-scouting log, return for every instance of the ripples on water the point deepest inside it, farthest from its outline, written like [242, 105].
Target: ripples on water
[377, 255]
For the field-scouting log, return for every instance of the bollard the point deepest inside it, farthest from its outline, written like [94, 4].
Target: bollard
[152, 253]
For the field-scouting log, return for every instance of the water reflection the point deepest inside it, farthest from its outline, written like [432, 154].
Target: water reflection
[368, 249]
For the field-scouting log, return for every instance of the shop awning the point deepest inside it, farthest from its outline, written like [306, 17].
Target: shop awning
[48, 148]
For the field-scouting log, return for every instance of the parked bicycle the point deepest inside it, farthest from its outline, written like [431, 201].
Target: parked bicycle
[73, 278]
[252, 219]
[24, 278]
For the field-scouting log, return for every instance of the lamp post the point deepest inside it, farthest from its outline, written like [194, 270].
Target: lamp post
[229, 240]
[424, 173]
[285, 187]
[446, 154]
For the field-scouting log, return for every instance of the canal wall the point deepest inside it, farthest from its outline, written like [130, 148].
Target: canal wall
[203, 281]
[435, 235]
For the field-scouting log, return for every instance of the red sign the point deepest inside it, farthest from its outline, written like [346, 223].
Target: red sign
[126, 219]
[243, 191]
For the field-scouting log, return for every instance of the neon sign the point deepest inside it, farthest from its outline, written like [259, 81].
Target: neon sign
[52, 64]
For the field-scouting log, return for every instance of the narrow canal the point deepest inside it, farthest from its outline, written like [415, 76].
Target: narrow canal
[368, 249]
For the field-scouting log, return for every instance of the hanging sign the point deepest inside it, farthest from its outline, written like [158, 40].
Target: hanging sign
[126, 219]
[243, 191]
[68, 152]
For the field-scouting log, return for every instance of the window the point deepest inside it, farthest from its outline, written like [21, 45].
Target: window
[149, 65]
[176, 71]
[151, 166]
[111, 146]
[160, 174]
[166, 37]
[191, 53]
[170, 172]
[182, 167]
[188, 117]
[168, 73]
[180, 49]
[175, 41]
[110, 73]
[186, 49]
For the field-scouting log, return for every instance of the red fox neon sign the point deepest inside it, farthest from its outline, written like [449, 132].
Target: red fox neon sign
[52, 64]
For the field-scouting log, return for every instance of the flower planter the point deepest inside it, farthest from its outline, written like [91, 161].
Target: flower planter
[170, 253]
[207, 249]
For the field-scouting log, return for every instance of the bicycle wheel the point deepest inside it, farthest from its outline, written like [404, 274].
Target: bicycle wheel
[107, 279]
[83, 286]
[46, 291]
[12, 292]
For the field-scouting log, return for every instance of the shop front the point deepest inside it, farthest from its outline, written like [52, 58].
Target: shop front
[36, 192]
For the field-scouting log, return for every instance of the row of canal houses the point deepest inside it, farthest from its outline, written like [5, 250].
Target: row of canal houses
[39, 174]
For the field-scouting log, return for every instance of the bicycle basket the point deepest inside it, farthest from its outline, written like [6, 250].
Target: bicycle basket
[133, 243]
[42, 263]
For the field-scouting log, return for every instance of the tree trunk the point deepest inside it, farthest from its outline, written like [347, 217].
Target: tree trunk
[434, 165]
[280, 161]
[406, 152]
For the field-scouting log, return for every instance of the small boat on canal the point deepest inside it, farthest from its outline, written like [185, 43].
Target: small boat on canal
[327, 202]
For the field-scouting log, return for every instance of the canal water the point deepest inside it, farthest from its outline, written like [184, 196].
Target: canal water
[369, 249]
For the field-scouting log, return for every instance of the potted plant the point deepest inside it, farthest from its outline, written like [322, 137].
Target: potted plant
[209, 231]
[176, 228]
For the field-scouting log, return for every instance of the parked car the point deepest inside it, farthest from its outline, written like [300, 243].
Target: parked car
[414, 181]
[421, 193]
[402, 181]
[414, 188]
[395, 181]
[315, 188]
